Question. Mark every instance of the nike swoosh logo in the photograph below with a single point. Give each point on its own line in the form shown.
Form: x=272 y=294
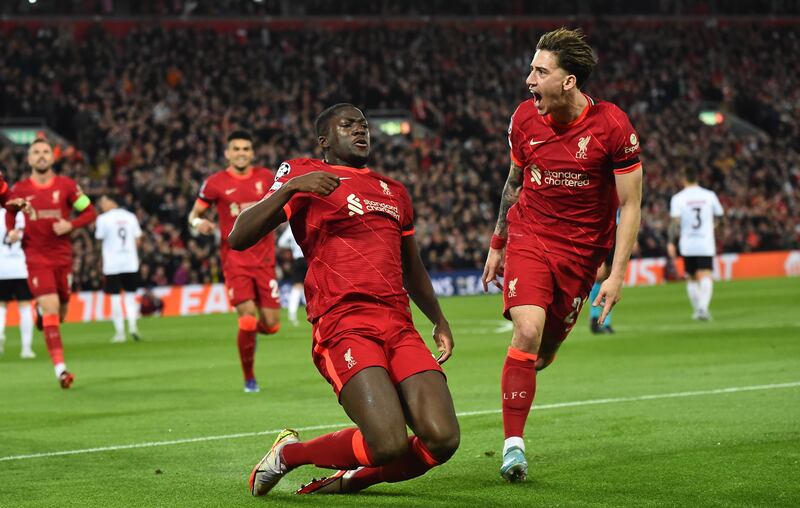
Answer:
x=533 y=143
x=345 y=177
x=229 y=192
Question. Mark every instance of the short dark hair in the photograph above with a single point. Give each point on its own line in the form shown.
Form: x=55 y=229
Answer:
x=323 y=121
x=111 y=196
x=41 y=140
x=690 y=174
x=240 y=134
x=572 y=52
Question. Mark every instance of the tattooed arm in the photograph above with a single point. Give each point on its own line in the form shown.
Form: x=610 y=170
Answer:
x=494 y=260
x=510 y=196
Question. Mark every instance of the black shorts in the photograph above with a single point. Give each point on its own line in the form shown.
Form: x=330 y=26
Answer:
x=693 y=263
x=15 y=289
x=127 y=281
x=299 y=269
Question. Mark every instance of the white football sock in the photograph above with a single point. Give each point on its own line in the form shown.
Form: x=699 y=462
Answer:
x=26 y=326
x=294 y=302
x=116 y=315
x=60 y=369
x=693 y=288
x=706 y=289
x=513 y=441
x=131 y=311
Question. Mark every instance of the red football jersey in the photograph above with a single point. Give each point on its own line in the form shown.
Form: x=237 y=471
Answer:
x=233 y=193
x=568 y=201
x=350 y=238
x=3 y=190
x=51 y=202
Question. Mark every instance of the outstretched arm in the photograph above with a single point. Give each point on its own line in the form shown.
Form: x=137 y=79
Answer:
x=419 y=287
x=494 y=261
x=260 y=219
x=629 y=191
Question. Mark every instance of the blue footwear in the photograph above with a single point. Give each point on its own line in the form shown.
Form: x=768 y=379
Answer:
x=251 y=386
x=515 y=467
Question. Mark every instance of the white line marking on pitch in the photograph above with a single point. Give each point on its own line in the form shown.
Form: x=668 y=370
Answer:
x=507 y=326
x=557 y=405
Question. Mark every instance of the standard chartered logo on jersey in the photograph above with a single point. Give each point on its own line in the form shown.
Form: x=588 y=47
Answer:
x=357 y=206
x=558 y=177
x=354 y=205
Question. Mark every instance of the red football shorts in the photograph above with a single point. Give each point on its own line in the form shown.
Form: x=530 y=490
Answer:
x=554 y=283
x=45 y=280
x=350 y=338
x=256 y=283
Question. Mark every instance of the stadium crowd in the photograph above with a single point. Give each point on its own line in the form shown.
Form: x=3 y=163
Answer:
x=148 y=113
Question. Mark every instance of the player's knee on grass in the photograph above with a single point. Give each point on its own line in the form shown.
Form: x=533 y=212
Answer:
x=387 y=445
x=441 y=441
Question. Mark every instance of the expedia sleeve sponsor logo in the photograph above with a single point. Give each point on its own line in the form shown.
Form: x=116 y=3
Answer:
x=634 y=144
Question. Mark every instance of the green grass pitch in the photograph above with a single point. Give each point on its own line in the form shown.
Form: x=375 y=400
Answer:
x=164 y=422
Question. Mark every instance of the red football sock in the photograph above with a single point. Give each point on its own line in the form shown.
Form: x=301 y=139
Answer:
x=262 y=328
x=416 y=462
x=246 y=340
x=52 y=337
x=345 y=449
x=518 y=387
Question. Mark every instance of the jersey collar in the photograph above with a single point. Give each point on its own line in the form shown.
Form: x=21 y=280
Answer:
x=45 y=185
x=360 y=171
x=581 y=117
x=236 y=175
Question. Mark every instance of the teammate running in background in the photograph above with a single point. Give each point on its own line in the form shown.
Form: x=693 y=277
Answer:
x=49 y=199
x=250 y=274
x=299 y=268
x=121 y=234
x=574 y=160
x=356 y=229
x=14 y=286
x=693 y=213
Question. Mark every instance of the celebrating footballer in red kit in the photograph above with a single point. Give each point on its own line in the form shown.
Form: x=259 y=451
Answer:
x=356 y=229
x=249 y=274
x=48 y=201
x=574 y=161
x=3 y=190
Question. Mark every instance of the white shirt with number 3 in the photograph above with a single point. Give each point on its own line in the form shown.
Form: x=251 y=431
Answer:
x=118 y=229
x=696 y=207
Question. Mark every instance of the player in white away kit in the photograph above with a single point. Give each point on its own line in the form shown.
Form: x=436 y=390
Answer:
x=14 y=286
x=299 y=269
x=120 y=233
x=693 y=212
